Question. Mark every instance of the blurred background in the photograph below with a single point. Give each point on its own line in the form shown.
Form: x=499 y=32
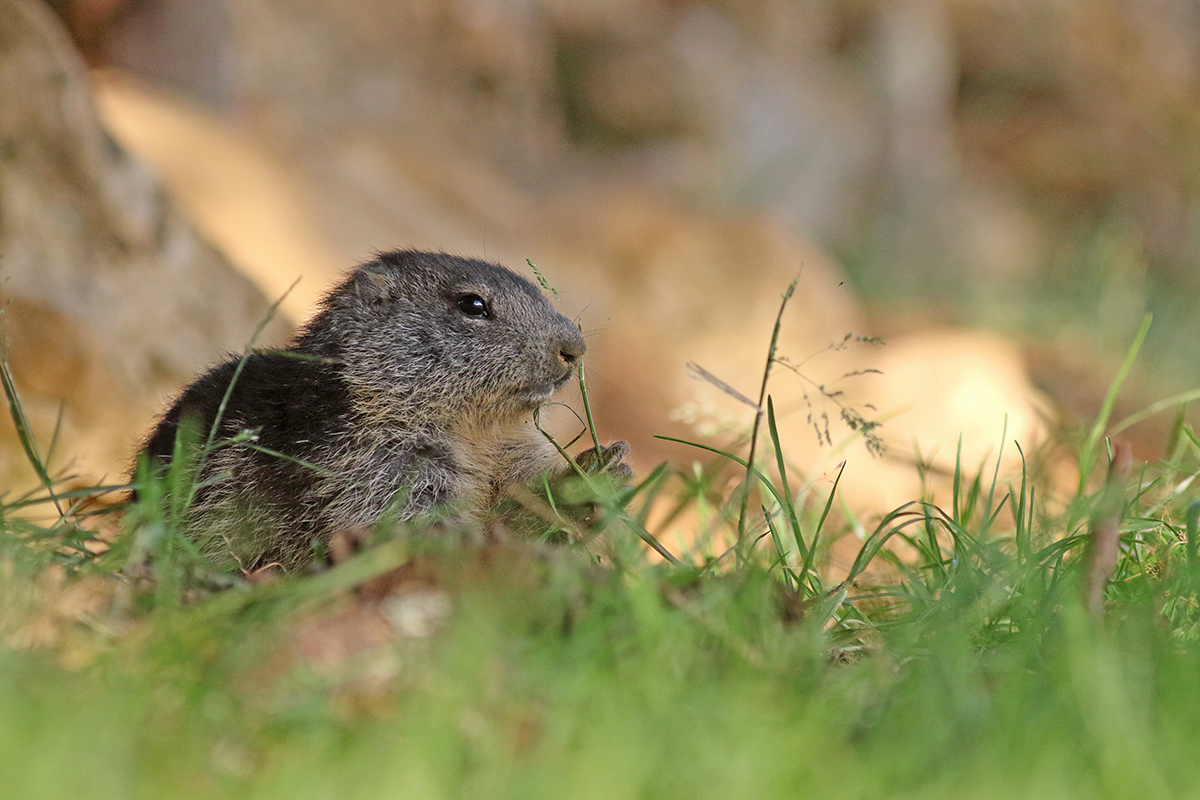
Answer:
x=998 y=188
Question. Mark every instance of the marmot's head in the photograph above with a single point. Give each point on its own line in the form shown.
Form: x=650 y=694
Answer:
x=444 y=338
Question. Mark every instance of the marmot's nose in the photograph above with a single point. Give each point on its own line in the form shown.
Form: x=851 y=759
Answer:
x=572 y=347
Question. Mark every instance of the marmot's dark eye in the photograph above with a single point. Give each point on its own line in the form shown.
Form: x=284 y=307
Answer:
x=473 y=306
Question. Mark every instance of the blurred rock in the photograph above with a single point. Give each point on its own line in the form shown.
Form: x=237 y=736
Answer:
x=680 y=289
x=468 y=72
x=111 y=301
x=185 y=45
x=946 y=394
x=241 y=195
x=889 y=130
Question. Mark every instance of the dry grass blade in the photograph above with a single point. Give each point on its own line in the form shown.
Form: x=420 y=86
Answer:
x=1104 y=540
x=704 y=375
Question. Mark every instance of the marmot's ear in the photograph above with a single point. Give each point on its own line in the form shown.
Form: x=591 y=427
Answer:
x=372 y=286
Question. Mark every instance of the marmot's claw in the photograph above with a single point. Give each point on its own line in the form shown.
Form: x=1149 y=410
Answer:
x=609 y=460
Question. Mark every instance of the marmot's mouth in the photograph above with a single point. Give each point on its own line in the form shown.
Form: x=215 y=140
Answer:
x=541 y=392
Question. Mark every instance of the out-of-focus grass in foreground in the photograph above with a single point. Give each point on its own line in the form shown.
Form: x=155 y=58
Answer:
x=1028 y=646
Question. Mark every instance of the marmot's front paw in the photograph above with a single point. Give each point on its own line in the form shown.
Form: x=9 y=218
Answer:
x=609 y=460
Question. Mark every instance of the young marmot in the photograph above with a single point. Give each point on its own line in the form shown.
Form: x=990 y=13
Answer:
x=413 y=389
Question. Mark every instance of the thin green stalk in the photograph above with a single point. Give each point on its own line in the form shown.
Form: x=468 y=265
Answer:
x=587 y=411
x=762 y=395
x=1173 y=401
x=809 y=564
x=789 y=506
x=25 y=433
x=1087 y=455
x=237 y=372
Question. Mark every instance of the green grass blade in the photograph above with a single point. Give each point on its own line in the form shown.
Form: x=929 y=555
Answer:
x=587 y=410
x=808 y=569
x=25 y=433
x=762 y=395
x=789 y=506
x=1174 y=401
x=1087 y=455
